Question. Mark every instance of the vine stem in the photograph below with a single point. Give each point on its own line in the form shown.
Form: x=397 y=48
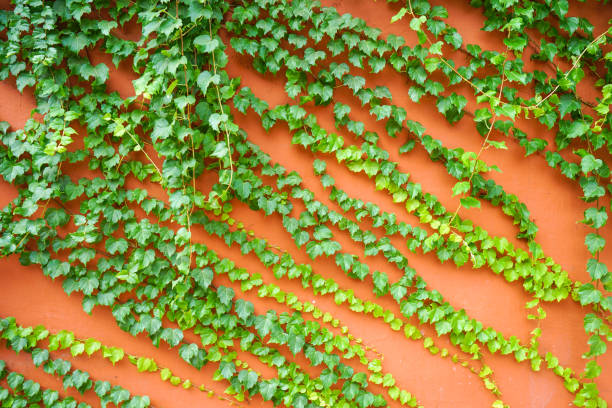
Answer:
x=227 y=137
x=554 y=66
x=574 y=66
x=596 y=307
x=281 y=251
x=482 y=147
x=44 y=210
x=59 y=167
x=190 y=209
x=444 y=59
x=145 y=153
x=530 y=107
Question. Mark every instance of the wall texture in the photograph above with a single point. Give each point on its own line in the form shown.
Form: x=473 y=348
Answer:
x=552 y=200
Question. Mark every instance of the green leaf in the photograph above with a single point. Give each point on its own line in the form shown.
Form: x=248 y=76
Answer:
x=301 y=238
x=381 y=283
x=596 y=269
x=242 y=188
x=14 y=380
x=102 y=388
x=388 y=380
x=588 y=294
x=576 y=129
x=298 y=41
x=322 y=93
x=129 y=276
x=338 y=70
x=394 y=393
x=595 y=217
x=415 y=23
x=49 y=397
x=590 y=163
x=214 y=121
x=381 y=111
x=570 y=170
x=560 y=7
x=267 y=389
x=106 y=26
x=321 y=232
x=591 y=189
x=360 y=270
x=533 y=145
x=452 y=106
x=470 y=202
x=355 y=83
x=415 y=93
x=76 y=42
x=203 y=277
x=227 y=369
x=77 y=348
x=225 y=295
x=516 y=42
x=398 y=292
x=356 y=127
x=25 y=79
x=506 y=109
x=100 y=73
x=161 y=130
x=567 y=104
x=113 y=354
x=311 y=56
x=330 y=247
x=244 y=309
x=592 y=323
x=377 y=64
x=454 y=38
x=207 y=335
x=39 y=356
x=336 y=47
x=345 y=261
x=461 y=188
x=400 y=14
x=188 y=352
x=205 y=79
x=165 y=374
x=144 y=364
x=204 y=43
x=408 y=146
x=320 y=165
x=597 y=346
x=594 y=243
x=79 y=379
x=114 y=245
x=395 y=41
x=56 y=217
x=31 y=389
x=443 y=327
x=91 y=346
x=436 y=48
x=592 y=369
x=295 y=343
x=481 y=115
x=365 y=399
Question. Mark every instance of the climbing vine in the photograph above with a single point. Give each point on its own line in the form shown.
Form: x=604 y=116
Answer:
x=168 y=164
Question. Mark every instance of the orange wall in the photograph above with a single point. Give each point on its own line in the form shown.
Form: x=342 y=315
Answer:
x=552 y=200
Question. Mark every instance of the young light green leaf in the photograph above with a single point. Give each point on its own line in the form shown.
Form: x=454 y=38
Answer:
x=461 y=187
x=470 y=202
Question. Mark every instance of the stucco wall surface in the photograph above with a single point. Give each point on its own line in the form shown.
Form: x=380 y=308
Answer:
x=552 y=199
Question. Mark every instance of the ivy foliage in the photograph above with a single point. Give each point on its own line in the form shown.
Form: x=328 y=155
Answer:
x=123 y=235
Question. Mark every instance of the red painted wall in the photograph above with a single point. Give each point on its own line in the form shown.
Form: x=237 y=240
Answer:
x=552 y=199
